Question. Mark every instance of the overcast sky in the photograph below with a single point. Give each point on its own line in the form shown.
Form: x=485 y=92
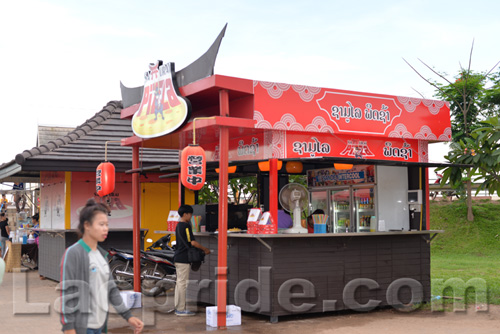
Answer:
x=62 y=61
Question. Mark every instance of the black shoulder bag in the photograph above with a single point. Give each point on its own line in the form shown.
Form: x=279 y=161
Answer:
x=195 y=256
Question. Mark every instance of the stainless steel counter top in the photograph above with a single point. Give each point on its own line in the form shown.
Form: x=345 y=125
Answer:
x=44 y=230
x=329 y=235
x=310 y=235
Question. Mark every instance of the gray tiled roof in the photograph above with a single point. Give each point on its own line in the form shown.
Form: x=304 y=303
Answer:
x=83 y=148
x=50 y=133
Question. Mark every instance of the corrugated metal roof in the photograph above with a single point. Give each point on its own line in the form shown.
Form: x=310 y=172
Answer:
x=82 y=149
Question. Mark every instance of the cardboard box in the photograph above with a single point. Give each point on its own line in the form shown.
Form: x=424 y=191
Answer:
x=131 y=299
x=233 y=315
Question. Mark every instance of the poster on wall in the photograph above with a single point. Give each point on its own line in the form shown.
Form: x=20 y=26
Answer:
x=46 y=206
x=52 y=200
x=119 y=201
x=57 y=206
x=328 y=177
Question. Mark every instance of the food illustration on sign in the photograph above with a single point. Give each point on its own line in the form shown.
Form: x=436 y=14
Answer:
x=357 y=149
x=162 y=109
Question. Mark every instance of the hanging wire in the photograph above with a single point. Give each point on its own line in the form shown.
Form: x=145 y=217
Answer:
x=194 y=126
x=106 y=148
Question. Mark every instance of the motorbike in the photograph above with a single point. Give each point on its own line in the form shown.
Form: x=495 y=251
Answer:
x=121 y=267
x=157 y=272
x=449 y=193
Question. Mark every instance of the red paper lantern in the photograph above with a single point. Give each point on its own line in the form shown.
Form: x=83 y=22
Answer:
x=343 y=166
x=264 y=165
x=230 y=169
x=294 y=167
x=105 y=179
x=193 y=167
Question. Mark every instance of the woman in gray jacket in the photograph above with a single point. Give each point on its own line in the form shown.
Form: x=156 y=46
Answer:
x=87 y=287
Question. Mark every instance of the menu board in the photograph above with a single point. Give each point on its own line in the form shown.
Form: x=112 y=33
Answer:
x=327 y=177
x=173 y=216
x=265 y=219
x=254 y=215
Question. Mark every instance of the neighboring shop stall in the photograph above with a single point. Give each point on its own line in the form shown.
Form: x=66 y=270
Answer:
x=64 y=194
x=65 y=169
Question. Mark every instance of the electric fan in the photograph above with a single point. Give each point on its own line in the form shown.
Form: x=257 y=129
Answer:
x=294 y=198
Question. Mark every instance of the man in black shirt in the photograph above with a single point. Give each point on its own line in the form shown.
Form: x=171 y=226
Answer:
x=184 y=238
x=4 y=232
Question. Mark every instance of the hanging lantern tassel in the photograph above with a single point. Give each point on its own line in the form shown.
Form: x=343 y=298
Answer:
x=193 y=167
x=105 y=179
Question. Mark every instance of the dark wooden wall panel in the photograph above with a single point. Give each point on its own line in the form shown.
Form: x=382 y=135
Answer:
x=328 y=263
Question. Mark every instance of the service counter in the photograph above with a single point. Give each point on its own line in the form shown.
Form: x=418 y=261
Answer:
x=53 y=243
x=284 y=274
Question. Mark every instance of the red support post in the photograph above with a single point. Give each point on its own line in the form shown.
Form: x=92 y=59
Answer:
x=179 y=193
x=273 y=191
x=427 y=208
x=223 y=184
x=136 y=229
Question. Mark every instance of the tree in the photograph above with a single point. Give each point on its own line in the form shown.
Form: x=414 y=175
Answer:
x=471 y=102
x=244 y=190
x=209 y=193
x=466 y=96
x=475 y=139
x=240 y=191
x=492 y=96
x=482 y=150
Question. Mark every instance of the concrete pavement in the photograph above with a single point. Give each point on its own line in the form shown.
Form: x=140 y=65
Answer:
x=35 y=312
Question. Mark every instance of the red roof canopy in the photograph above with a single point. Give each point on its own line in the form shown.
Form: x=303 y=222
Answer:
x=292 y=121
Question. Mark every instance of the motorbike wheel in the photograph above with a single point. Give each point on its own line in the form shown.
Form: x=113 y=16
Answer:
x=148 y=286
x=123 y=283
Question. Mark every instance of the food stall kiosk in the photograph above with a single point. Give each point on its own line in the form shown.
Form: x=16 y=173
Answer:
x=377 y=251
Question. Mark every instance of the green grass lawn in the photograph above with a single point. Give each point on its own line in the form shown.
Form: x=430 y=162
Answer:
x=462 y=268
x=467 y=250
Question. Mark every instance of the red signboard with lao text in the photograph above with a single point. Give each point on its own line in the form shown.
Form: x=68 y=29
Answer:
x=293 y=145
x=311 y=109
x=350 y=146
x=242 y=148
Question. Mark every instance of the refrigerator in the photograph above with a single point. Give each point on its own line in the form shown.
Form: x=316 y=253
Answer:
x=350 y=208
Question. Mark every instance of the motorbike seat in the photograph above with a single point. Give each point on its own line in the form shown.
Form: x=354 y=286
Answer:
x=167 y=254
x=128 y=251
